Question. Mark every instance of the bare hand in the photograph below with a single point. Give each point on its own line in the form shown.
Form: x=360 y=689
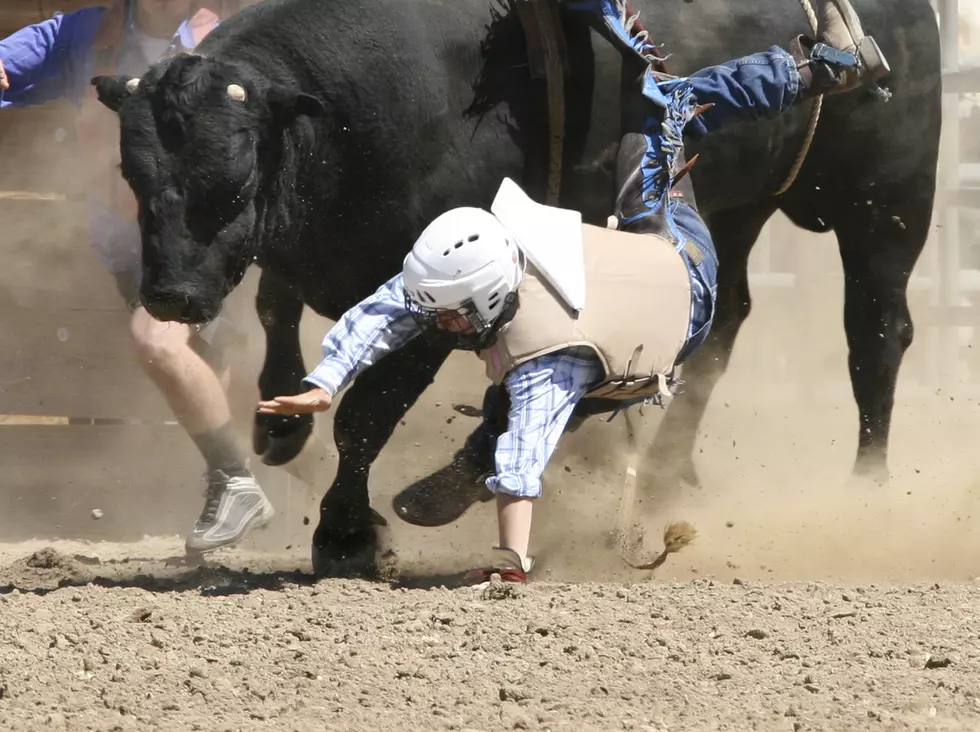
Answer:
x=314 y=400
x=4 y=84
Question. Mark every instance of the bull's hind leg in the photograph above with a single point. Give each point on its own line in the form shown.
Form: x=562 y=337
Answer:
x=671 y=456
x=350 y=535
x=879 y=246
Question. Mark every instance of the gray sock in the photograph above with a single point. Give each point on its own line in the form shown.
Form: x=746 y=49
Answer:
x=221 y=451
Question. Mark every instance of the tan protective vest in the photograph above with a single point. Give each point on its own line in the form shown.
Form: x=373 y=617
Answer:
x=636 y=317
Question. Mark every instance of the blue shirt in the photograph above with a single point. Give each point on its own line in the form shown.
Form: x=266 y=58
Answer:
x=53 y=59
x=50 y=60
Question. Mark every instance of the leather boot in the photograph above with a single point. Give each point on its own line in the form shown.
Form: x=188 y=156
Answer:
x=838 y=26
x=843 y=58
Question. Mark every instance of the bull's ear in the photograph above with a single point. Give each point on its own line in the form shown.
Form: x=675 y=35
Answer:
x=112 y=90
x=287 y=104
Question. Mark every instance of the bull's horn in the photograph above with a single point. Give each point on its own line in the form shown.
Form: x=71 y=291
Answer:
x=132 y=84
x=236 y=92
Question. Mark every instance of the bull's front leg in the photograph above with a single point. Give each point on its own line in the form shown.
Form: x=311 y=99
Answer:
x=350 y=535
x=278 y=438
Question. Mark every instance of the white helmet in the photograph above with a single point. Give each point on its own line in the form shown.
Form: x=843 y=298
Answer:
x=466 y=261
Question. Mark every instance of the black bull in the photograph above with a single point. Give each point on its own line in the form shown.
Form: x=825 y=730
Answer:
x=353 y=124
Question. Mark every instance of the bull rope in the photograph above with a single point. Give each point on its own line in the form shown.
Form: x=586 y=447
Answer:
x=811 y=131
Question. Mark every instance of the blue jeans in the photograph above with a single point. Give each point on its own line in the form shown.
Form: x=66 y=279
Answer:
x=759 y=86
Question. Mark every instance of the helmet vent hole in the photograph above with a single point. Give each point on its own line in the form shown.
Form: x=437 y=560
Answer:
x=458 y=244
x=473 y=237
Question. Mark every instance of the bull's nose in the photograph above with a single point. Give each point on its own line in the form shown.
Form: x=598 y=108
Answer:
x=171 y=307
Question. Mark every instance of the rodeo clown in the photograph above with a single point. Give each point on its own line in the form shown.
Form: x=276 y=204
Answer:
x=549 y=304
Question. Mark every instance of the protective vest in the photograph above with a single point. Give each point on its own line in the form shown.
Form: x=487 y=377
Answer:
x=636 y=319
x=116 y=51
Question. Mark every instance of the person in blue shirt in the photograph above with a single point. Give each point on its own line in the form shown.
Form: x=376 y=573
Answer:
x=553 y=331
x=55 y=59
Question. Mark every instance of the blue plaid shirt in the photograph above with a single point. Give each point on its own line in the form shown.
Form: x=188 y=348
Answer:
x=543 y=392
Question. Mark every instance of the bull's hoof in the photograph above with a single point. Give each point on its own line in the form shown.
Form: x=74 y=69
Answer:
x=663 y=486
x=277 y=439
x=444 y=496
x=686 y=476
x=675 y=478
x=360 y=554
x=870 y=475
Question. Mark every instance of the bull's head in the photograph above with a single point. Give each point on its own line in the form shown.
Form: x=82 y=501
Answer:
x=201 y=147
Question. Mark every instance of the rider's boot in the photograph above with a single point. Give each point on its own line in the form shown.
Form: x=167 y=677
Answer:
x=842 y=58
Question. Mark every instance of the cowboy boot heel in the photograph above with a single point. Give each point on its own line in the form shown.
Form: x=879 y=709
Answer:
x=873 y=61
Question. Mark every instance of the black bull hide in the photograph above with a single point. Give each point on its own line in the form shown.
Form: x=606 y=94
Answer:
x=361 y=121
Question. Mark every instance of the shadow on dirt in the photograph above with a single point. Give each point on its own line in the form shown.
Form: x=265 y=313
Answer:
x=48 y=570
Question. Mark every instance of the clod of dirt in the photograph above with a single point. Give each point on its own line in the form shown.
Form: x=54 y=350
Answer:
x=141 y=615
x=510 y=693
x=45 y=568
x=937 y=661
x=97 y=513
x=757 y=634
x=49 y=558
x=500 y=590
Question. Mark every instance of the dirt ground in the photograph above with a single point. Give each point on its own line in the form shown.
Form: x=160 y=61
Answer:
x=269 y=650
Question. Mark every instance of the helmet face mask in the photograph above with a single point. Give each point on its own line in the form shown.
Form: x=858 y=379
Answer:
x=464 y=327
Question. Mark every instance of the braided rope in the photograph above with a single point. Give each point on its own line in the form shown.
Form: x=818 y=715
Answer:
x=814 y=116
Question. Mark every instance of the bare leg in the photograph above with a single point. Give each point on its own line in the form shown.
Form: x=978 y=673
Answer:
x=234 y=504
x=193 y=391
x=514 y=522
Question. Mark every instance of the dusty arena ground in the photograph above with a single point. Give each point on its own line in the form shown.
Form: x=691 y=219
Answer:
x=270 y=650
x=806 y=602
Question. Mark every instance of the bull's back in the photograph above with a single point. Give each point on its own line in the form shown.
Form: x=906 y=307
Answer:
x=405 y=71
